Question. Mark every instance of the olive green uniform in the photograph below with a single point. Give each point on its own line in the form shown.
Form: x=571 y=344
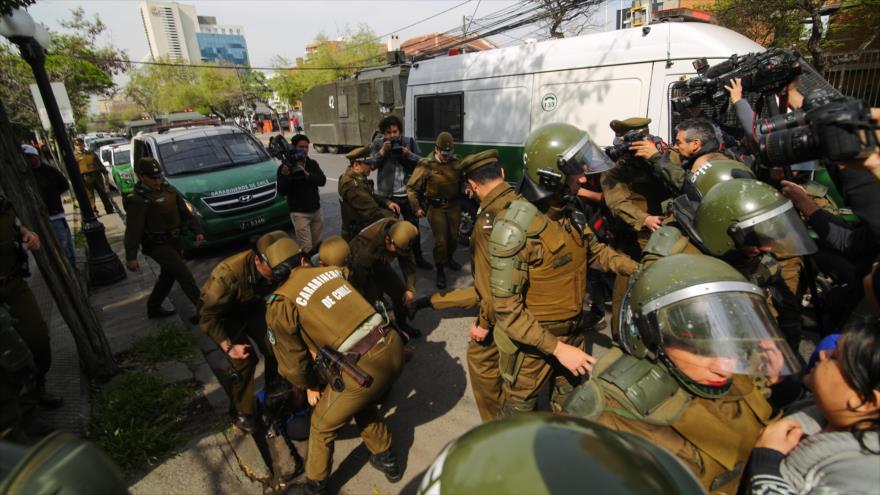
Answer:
x=316 y=307
x=232 y=306
x=433 y=188
x=713 y=437
x=23 y=307
x=371 y=271
x=155 y=218
x=93 y=179
x=538 y=281
x=359 y=205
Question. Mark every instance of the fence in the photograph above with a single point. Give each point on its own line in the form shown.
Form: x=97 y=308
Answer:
x=855 y=74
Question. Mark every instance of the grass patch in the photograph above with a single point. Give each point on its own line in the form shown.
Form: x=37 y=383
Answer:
x=137 y=418
x=172 y=342
x=79 y=239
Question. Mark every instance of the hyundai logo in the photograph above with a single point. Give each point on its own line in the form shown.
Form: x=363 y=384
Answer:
x=244 y=198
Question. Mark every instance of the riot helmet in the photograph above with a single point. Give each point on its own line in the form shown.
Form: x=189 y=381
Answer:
x=554 y=151
x=716 y=171
x=543 y=453
x=746 y=213
x=698 y=313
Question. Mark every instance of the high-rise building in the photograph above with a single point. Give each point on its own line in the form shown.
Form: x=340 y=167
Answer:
x=175 y=31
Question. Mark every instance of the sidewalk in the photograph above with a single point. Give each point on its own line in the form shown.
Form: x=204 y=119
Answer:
x=206 y=463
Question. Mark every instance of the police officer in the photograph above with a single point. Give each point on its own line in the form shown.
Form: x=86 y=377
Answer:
x=359 y=204
x=564 y=455
x=316 y=310
x=156 y=215
x=333 y=251
x=233 y=313
x=395 y=157
x=15 y=241
x=539 y=269
x=372 y=252
x=93 y=176
x=432 y=191
x=681 y=378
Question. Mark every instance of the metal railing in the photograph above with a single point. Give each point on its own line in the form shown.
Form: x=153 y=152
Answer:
x=855 y=74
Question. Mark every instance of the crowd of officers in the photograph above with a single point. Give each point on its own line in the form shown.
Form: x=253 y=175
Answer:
x=704 y=264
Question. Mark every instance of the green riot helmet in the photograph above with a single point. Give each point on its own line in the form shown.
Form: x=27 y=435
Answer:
x=543 y=453
x=745 y=213
x=554 y=151
x=699 y=313
x=717 y=171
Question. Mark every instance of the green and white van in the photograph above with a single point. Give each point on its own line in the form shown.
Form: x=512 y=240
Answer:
x=226 y=176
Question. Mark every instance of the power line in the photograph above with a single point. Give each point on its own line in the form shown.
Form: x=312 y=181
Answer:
x=468 y=28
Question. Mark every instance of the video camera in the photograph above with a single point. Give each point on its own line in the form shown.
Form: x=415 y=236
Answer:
x=396 y=145
x=836 y=128
x=288 y=154
x=766 y=72
x=620 y=149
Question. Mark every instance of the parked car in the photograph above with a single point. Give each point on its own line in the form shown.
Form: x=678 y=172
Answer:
x=121 y=173
x=102 y=148
x=226 y=176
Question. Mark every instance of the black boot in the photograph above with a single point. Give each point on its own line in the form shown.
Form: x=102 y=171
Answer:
x=441 y=277
x=387 y=463
x=245 y=423
x=308 y=487
x=416 y=305
x=452 y=264
x=421 y=262
x=411 y=331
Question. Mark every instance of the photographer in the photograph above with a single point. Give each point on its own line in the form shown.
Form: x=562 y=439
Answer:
x=695 y=138
x=299 y=181
x=395 y=157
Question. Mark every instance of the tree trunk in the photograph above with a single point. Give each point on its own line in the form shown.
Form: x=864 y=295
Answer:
x=17 y=183
x=814 y=9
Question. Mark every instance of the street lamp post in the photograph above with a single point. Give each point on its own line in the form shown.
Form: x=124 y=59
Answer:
x=19 y=28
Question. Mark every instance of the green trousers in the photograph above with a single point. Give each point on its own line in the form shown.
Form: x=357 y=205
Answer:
x=250 y=329
x=444 y=221
x=172 y=269
x=522 y=395
x=94 y=182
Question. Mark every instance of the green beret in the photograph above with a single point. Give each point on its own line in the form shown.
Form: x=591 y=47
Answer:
x=148 y=166
x=361 y=152
x=477 y=160
x=621 y=127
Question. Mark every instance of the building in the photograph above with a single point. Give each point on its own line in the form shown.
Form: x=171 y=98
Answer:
x=175 y=31
x=429 y=44
x=115 y=104
x=622 y=14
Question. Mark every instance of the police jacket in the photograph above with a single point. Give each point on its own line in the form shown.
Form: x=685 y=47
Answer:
x=155 y=216
x=301 y=189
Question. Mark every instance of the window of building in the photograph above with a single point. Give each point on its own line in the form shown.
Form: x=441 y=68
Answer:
x=438 y=113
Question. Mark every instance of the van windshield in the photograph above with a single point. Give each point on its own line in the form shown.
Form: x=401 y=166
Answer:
x=121 y=157
x=207 y=153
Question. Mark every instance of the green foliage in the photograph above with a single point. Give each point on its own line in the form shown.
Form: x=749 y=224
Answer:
x=768 y=23
x=172 y=342
x=137 y=419
x=76 y=59
x=856 y=23
x=334 y=59
x=7 y=6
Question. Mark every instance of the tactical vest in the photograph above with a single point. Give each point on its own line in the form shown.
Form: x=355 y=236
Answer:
x=329 y=308
x=162 y=215
x=354 y=219
x=443 y=180
x=723 y=430
x=87 y=163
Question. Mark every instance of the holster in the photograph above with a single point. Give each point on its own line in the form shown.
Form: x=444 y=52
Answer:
x=162 y=237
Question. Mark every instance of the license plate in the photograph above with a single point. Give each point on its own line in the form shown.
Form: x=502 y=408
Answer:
x=252 y=222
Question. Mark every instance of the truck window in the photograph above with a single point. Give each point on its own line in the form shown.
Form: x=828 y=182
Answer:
x=343 y=105
x=365 y=91
x=207 y=153
x=438 y=113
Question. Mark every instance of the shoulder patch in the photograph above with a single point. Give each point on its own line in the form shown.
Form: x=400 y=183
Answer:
x=507 y=238
x=270 y=336
x=587 y=401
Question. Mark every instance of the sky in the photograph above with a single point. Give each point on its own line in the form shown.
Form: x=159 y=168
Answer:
x=286 y=27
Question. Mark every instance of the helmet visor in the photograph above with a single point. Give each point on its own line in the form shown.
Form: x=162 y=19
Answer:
x=725 y=332
x=780 y=229
x=584 y=158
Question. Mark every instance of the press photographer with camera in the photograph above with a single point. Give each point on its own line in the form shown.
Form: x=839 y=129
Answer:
x=395 y=157
x=299 y=178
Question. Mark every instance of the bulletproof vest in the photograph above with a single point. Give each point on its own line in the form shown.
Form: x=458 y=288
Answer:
x=162 y=213
x=557 y=286
x=87 y=163
x=723 y=430
x=443 y=180
x=11 y=250
x=350 y=215
x=329 y=308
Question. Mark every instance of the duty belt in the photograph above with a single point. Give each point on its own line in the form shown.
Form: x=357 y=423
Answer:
x=561 y=328
x=437 y=202
x=362 y=340
x=162 y=236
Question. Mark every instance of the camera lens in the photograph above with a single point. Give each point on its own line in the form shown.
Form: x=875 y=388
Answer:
x=784 y=121
x=790 y=146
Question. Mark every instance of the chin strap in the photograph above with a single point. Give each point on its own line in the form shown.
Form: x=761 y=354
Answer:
x=704 y=391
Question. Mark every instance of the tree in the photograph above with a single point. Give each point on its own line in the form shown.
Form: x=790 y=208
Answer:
x=7 y=6
x=562 y=17
x=76 y=59
x=331 y=60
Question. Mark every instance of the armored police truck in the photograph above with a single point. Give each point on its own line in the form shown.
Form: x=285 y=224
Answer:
x=493 y=99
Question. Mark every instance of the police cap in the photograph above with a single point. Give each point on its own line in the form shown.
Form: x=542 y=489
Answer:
x=357 y=153
x=477 y=160
x=268 y=239
x=148 y=166
x=334 y=251
x=281 y=250
x=621 y=127
x=402 y=234
x=444 y=141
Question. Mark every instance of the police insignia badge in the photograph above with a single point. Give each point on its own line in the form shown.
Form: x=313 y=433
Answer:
x=270 y=336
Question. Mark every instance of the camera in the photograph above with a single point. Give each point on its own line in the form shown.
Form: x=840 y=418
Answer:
x=288 y=155
x=836 y=130
x=620 y=149
x=396 y=145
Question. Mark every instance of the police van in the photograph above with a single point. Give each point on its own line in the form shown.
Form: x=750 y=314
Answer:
x=493 y=99
x=225 y=175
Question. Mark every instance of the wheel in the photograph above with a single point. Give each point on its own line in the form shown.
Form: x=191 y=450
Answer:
x=320 y=148
x=333 y=149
